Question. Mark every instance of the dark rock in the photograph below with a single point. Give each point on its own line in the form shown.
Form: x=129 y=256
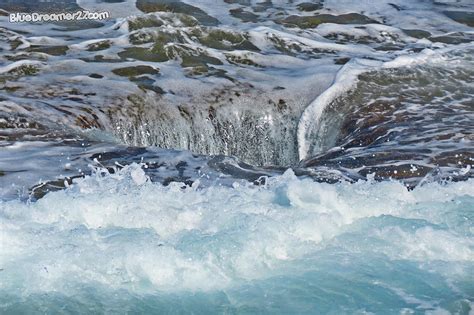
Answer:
x=245 y=16
x=466 y=18
x=309 y=6
x=135 y=71
x=313 y=21
x=417 y=33
x=148 y=6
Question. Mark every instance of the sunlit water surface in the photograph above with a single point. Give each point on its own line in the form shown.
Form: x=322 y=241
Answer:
x=292 y=157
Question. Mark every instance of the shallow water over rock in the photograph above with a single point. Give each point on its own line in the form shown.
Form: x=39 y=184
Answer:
x=144 y=159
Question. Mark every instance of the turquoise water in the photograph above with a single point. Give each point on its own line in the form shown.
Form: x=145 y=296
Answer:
x=238 y=157
x=121 y=244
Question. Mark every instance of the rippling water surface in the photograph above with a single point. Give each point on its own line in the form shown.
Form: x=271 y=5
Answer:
x=231 y=156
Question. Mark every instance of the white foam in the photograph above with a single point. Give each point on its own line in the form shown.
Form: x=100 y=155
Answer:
x=121 y=232
x=45 y=40
x=345 y=80
x=260 y=33
x=18 y=64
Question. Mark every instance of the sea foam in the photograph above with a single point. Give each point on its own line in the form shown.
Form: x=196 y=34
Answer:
x=122 y=233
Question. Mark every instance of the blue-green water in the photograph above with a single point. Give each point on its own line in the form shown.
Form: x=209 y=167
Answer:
x=238 y=157
x=119 y=244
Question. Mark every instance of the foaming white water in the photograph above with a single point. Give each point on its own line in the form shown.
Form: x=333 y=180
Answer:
x=427 y=56
x=259 y=35
x=122 y=232
x=346 y=79
x=206 y=80
x=123 y=244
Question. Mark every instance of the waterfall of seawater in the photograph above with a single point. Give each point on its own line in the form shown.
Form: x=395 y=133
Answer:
x=237 y=157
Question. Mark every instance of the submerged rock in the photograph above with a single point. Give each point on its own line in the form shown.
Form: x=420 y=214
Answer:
x=154 y=54
x=315 y=20
x=50 y=50
x=148 y=6
x=225 y=40
x=461 y=17
x=102 y=45
x=309 y=6
x=417 y=33
x=147 y=83
x=135 y=71
x=245 y=16
x=453 y=38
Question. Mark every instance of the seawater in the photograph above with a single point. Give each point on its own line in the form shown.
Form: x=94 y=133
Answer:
x=120 y=243
x=238 y=157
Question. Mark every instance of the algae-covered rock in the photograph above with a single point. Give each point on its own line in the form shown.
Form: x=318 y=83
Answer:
x=140 y=38
x=199 y=60
x=161 y=37
x=241 y=2
x=224 y=40
x=263 y=6
x=101 y=58
x=147 y=83
x=342 y=61
x=417 y=33
x=309 y=6
x=453 y=38
x=315 y=20
x=148 y=6
x=40 y=190
x=144 y=22
x=191 y=57
x=24 y=70
x=463 y=17
x=104 y=44
x=290 y=49
x=95 y=76
x=135 y=71
x=15 y=43
x=242 y=60
x=244 y=16
x=50 y=50
x=154 y=54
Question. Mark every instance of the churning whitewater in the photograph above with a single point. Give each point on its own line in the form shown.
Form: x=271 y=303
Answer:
x=237 y=157
x=290 y=246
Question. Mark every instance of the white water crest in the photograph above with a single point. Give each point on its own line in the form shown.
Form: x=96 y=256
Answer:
x=122 y=233
x=309 y=133
x=240 y=78
x=308 y=123
x=238 y=157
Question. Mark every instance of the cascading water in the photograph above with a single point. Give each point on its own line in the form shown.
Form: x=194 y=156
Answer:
x=144 y=158
x=258 y=128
